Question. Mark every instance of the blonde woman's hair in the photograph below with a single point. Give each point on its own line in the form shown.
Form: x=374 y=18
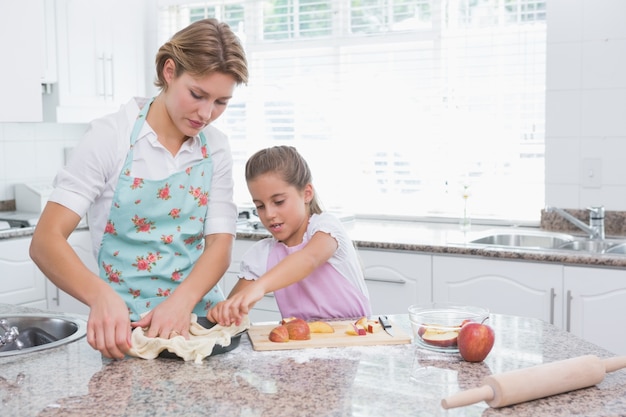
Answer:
x=289 y=164
x=204 y=47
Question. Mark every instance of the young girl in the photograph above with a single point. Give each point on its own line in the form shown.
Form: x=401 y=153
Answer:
x=156 y=179
x=309 y=262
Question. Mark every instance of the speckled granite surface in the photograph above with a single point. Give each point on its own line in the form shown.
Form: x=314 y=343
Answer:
x=402 y=380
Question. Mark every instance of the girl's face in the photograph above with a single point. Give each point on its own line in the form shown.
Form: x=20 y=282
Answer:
x=282 y=208
x=194 y=102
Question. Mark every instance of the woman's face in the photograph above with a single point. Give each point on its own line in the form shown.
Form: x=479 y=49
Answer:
x=282 y=208
x=194 y=102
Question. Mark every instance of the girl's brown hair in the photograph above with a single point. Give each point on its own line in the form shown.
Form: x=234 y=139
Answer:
x=204 y=47
x=289 y=164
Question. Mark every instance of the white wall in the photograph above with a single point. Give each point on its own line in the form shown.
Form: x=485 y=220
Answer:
x=585 y=114
x=586 y=104
x=33 y=152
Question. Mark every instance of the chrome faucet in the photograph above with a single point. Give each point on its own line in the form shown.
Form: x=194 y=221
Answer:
x=10 y=334
x=595 y=229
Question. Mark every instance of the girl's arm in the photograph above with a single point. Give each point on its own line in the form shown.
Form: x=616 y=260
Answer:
x=291 y=269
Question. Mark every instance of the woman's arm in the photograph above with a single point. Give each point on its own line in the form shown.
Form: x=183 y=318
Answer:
x=291 y=269
x=108 y=328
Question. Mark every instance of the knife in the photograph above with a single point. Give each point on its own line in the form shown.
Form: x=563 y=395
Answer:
x=384 y=321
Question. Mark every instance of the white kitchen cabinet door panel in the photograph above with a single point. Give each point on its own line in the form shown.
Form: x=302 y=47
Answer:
x=59 y=300
x=396 y=280
x=100 y=57
x=603 y=64
x=22 y=60
x=20 y=280
x=602 y=112
x=596 y=306
x=603 y=19
x=504 y=287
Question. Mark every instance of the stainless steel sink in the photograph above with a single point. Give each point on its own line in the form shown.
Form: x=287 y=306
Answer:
x=545 y=240
x=525 y=239
x=42 y=331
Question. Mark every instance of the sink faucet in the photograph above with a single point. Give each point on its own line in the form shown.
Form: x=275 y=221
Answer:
x=10 y=334
x=595 y=229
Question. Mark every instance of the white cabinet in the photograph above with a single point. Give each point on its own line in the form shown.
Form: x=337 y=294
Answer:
x=506 y=287
x=595 y=306
x=21 y=283
x=22 y=28
x=395 y=280
x=59 y=300
x=265 y=309
x=100 y=56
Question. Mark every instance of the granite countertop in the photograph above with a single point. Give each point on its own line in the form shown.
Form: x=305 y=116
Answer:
x=448 y=239
x=433 y=238
x=400 y=380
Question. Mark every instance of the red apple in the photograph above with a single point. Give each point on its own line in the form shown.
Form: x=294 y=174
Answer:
x=298 y=329
x=475 y=341
x=279 y=334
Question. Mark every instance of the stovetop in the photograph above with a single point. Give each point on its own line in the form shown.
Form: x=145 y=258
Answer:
x=19 y=218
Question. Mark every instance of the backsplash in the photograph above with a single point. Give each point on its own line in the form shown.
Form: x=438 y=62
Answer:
x=614 y=222
x=33 y=152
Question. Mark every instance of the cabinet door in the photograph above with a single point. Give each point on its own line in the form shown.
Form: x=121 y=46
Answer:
x=100 y=57
x=396 y=280
x=59 y=300
x=21 y=30
x=505 y=287
x=594 y=309
x=20 y=282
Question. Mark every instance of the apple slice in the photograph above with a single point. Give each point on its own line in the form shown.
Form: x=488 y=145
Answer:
x=440 y=339
x=321 y=327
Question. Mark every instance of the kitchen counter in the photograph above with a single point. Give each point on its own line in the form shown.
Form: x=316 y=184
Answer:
x=449 y=239
x=401 y=380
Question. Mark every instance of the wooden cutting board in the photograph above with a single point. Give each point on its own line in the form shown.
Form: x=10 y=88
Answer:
x=259 y=336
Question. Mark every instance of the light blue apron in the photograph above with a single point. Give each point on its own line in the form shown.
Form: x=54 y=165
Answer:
x=155 y=232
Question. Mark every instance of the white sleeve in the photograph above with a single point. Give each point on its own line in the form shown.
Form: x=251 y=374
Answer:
x=254 y=261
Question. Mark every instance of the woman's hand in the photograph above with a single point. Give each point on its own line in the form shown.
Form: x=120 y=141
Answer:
x=108 y=326
x=168 y=319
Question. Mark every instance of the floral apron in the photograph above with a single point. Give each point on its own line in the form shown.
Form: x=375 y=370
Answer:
x=155 y=232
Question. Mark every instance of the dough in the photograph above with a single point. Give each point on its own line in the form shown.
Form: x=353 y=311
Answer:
x=199 y=346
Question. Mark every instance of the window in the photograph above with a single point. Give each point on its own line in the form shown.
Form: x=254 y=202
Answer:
x=400 y=106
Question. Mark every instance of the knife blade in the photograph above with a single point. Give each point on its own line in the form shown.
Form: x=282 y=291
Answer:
x=384 y=322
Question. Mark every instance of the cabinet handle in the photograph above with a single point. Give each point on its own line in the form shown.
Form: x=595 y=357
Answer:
x=401 y=281
x=568 y=312
x=111 y=79
x=552 y=295
x=57 y=298
x=102 y=62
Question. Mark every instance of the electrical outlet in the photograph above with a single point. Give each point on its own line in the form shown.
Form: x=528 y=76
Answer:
x=591 y=173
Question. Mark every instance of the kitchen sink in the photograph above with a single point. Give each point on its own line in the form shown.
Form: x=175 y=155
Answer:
x=525 y=239
x=544 y=240
x=41 y=331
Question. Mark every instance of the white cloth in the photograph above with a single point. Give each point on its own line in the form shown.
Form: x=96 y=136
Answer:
x=199 y=345
x=345 y=259
x=87 y=183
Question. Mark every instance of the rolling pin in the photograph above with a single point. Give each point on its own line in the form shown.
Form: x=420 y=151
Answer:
x=536 y=382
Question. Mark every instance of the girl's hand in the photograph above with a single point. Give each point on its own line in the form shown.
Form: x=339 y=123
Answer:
x=108 y=326
x=236 y=306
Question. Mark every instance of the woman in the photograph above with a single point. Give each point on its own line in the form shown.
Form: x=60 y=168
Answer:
x=156 y=181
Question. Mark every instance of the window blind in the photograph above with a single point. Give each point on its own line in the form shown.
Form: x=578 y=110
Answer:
x=401 y=107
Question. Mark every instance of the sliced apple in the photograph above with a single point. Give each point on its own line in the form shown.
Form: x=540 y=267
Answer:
x=279 y=334
x=440 y=338
x=320 y=327
x=373 y=326
x=298 y=329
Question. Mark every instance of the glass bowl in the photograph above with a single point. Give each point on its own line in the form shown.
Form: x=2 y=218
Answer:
x=436 y=326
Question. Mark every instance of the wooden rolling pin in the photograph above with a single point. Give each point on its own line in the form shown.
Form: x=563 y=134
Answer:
x=536 y=382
